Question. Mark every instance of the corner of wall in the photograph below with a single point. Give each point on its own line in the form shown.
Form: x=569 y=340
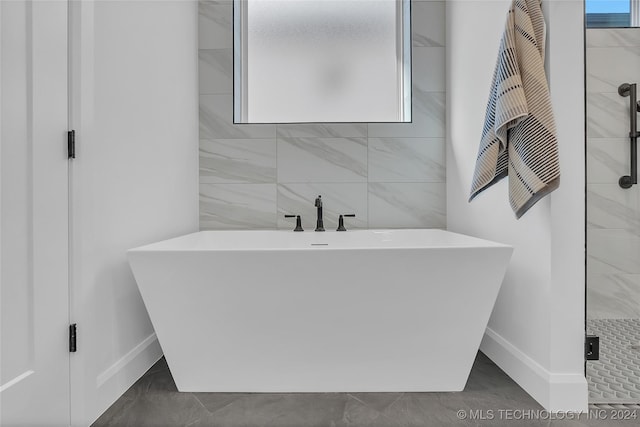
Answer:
x=126 y=371
x=566 y=62
x=152 y=196
x=540 y=347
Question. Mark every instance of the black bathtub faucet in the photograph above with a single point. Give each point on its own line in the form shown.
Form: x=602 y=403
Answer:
x=341 y=221
x=319 y=224
x=298 y=222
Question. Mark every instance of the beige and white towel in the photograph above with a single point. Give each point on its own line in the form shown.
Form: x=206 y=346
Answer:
x=519 y=135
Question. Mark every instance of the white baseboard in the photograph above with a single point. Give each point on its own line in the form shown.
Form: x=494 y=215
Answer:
x=117 y=378
x=554 y=391
x=148 y=350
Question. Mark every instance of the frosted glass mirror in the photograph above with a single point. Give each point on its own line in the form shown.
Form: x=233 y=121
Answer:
x=322 y=61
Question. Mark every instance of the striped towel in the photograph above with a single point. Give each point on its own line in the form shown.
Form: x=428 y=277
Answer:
x=519 y=135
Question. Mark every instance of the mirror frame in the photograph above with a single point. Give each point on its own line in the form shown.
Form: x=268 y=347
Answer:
x=240 y=95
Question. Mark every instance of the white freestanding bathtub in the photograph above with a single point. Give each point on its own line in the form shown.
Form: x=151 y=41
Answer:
x=359 y=311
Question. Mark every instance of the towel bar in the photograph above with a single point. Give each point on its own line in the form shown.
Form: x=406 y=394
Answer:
x=629 y=90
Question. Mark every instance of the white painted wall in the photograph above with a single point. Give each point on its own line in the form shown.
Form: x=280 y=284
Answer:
x=536 y=330
x=134 y=100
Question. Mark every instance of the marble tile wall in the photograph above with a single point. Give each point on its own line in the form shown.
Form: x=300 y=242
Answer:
x=613 y=213
x=389 y=175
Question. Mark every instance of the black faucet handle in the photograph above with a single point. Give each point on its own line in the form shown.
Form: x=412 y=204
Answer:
x=298 y=222
x=319 y=223
x=341 y=221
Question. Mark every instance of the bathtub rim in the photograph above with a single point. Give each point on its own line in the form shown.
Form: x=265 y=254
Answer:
x=192 y=242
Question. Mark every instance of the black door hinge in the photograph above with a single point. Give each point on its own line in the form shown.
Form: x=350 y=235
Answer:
x=72 y=339
x=71 y=144
x=592 y=347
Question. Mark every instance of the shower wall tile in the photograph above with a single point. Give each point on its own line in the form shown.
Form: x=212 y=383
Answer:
x=237 y=206
x=612 y=37
x=608 y=159
x=238 y=161
x=214 y=24
x=251 y=173
x=327 y=130
x=406 y=160
x=612 y=252
x=612 y=207
x=216 y=121
x=613 y=296
x=428 y=23
x=322 y=160
x=607 y=115
x=337 y=199
x=407 y=205
x=609 y=67
x=215 y=71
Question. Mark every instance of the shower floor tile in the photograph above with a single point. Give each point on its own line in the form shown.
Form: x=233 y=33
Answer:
x=615 y=378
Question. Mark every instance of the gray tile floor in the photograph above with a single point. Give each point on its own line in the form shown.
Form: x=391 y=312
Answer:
x=490 y=398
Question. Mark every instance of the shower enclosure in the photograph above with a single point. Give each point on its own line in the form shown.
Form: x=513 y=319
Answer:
x=613 y=206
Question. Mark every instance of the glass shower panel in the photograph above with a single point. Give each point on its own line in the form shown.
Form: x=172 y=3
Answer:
x=613 y=216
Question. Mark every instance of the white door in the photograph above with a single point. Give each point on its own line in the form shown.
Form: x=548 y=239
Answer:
x=34 y=296
x=134 y=105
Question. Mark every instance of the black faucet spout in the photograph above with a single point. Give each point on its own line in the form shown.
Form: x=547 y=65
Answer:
x=319 y=223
